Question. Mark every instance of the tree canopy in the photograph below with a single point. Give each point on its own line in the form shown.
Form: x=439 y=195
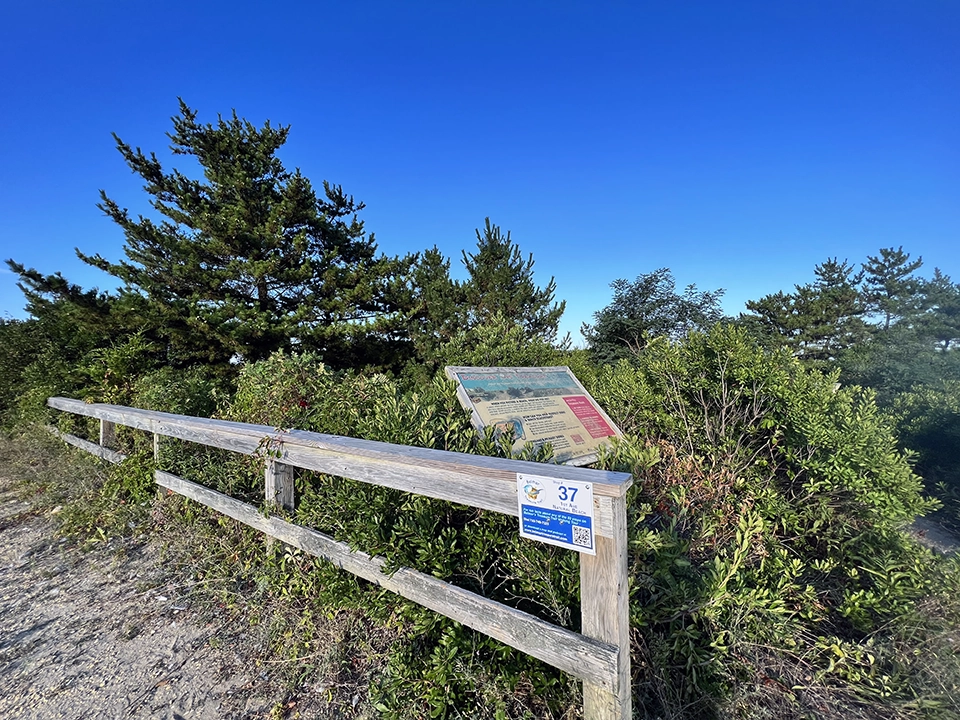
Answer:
x=890 y=288
x=499 y=296
x=819 y=320
x=249 y=259
x=883 y=327
x=501 y=283
x=940 y=321
x=646 y=308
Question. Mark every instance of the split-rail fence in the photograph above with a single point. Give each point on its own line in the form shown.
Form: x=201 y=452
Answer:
x=600 y=656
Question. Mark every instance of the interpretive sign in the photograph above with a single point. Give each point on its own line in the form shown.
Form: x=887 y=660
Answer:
x=540 y=405
x=556 y=512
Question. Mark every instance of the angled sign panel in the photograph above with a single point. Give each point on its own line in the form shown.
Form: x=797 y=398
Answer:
x=540 y=405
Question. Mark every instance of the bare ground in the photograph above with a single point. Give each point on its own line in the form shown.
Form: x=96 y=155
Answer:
x=104 y=634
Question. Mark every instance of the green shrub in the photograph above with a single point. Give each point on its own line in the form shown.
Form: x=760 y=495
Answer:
x=766 y=513
x=113 y=371
x=193 y=391
x=115 y=505
x=479 y=551
x=20 y=341
x=769 y=576
x=928 y=422
x=500 y=342
x=770 y=519
x=47 y=375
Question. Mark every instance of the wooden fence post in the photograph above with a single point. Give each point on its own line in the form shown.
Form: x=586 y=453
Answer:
x=605 y=608
x=278 y=490
x=108 y=434
x=279 y=484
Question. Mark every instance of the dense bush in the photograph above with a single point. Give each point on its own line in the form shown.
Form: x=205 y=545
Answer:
x=31 y=370
x=19 y=342
x=767 y=534
x=928 y=423
x=769 y=575
x=190 y=391
x=480 y=551
x=897 y=362
x=764 y=531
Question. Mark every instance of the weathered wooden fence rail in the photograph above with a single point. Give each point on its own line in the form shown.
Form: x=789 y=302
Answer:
x=600 y=656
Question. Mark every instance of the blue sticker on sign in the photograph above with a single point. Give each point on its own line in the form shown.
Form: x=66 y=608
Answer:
x=556 y=511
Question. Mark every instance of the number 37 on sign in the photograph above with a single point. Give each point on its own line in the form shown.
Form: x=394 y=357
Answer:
x=556 y=511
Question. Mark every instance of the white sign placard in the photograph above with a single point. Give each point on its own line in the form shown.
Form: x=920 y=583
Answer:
x=556 y=512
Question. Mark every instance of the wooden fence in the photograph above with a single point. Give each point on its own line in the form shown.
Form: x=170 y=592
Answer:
x=600 y=657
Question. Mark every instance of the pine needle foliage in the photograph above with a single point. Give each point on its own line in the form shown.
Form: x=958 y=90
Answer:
x=249 y=259
x=501 y=283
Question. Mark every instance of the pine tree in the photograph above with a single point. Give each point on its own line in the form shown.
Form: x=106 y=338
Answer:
x=819 y=320
x=73 y=320
x=249 y=260
x=941 y=320
x=501 y=283
x=834 y=308
x=438 y=307
x=775 y=320
x=890 y=288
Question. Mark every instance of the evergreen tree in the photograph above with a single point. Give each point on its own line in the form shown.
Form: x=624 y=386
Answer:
x=819 y=321
x=894 y=361
x=909 y=355
x=499 y=298
x=249 y=260
x=74 y=336
x=501 y=283
x=775 y=320
x=890 y=288
x=941 y=320
x=437 y=307
x=835 y=310
x=73 y=321
x=646 y=308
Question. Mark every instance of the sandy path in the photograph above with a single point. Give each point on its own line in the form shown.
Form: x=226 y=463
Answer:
x=99 y=635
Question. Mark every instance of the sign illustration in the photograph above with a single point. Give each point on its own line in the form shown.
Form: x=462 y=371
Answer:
x=539 y=405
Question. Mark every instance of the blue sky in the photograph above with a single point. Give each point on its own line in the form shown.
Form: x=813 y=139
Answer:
x=737 y=143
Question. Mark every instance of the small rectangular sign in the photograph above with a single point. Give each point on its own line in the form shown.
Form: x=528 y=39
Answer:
x=557 y=512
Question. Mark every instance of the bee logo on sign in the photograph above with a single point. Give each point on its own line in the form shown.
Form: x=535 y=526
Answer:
x=556 y=511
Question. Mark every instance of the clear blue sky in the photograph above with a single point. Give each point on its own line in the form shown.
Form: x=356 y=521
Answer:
x=738 y=143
